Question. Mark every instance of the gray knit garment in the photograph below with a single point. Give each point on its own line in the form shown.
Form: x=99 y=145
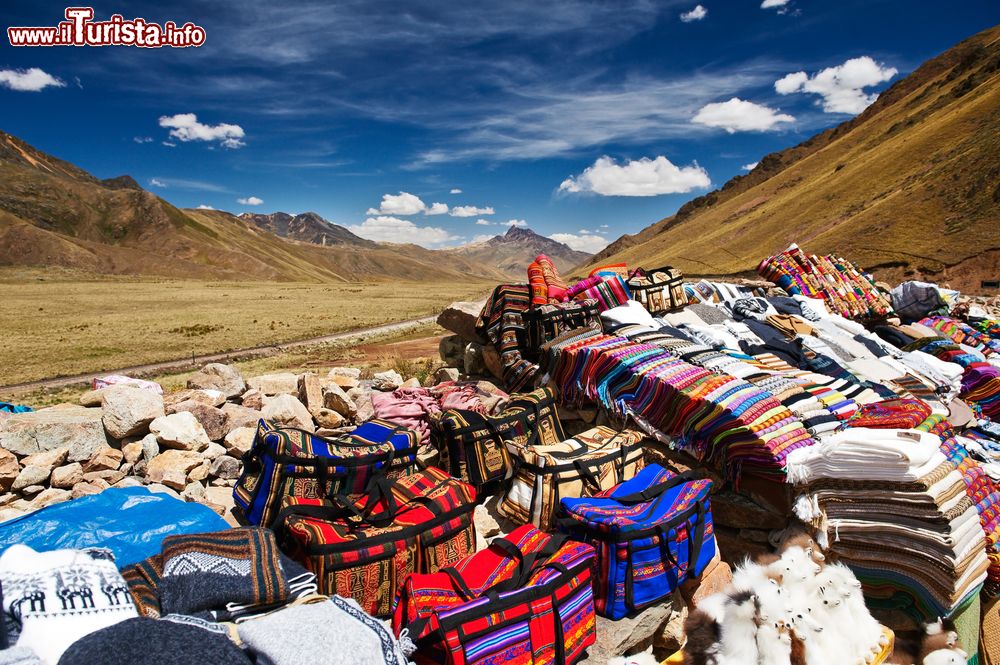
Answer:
x=19 y=656
x=332 y=632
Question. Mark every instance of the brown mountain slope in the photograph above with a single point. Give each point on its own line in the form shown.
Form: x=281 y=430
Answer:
x=55 y=214
x=910 y=186
x=513 y=251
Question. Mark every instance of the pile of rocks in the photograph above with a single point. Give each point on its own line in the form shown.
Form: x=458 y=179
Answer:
x=465 y=352
x=187 y=443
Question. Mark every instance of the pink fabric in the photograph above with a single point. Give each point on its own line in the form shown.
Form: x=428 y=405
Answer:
x=583 y=285
x=409 y=407
x=470 y=396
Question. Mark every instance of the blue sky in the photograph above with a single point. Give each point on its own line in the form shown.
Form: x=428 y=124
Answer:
x=583 y=120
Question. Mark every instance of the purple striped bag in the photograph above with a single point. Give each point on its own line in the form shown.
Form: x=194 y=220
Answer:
x=610 y=292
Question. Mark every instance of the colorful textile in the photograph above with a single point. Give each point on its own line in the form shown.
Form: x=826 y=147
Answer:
x=610 y=292
x=210 y=570
x=474 y=447
x=891 y=414
x=650 y=533
x=285 y=461
x=584 y=284
x=555 y=286
x=658 y=290
x=501 y=322
x=584 y=465
x=844 y=287
x=546 y=322
x=536 y=280
x=526 y=600
x=413 y=408
x=419 y=523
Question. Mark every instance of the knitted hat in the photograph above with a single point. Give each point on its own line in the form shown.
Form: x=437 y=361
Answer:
x=153 y=642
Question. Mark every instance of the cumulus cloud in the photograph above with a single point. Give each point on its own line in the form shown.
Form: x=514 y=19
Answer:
x=483 y=222
x=842 y=87
x=640 y=177
x=470 y=211
x=204 y=207
x=384 y=228
x=142 y=139
x=456 y=190
x=771 y=4
x=403 y=203
x=437 y=209
x=696 y=14
x=250 y=201
x=28 y=80
x=520 y=223
x=185 y=127
x=584 y=241
x=750 y=167
x=156 y=182
x=739 y=115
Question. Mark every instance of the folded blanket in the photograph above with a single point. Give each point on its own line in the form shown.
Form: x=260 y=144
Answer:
x=212 y=570
x=413 y=408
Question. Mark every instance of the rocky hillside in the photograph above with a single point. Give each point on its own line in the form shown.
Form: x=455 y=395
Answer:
x=53 y=213
x=306 y=227
x=910 y=186
x=514 y=250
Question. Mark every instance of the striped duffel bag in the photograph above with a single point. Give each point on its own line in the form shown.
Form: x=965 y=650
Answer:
x=651 y=534
x=525 y=600
x=286 y=461
x=363 y=550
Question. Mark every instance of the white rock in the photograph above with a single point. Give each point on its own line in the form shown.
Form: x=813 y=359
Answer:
x=287 y=410
x=181 y=431
x=284 y=383
x=77 y=427
x=336 y=399
x=239 y=441
x=129 y=410
x=386 y=381
x=216 y=376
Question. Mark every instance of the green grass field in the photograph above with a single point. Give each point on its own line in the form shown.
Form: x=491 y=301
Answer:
x=58 y=324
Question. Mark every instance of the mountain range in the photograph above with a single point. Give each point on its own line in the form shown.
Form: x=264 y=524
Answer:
x=910 y=187
x=514 y=250
x=53 y=213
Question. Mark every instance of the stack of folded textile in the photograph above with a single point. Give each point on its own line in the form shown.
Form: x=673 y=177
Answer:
x=846 y=289
x=895 y=509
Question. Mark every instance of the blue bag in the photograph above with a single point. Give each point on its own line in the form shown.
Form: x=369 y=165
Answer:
x=290 y=462
x=130 y=521
x=651 y=533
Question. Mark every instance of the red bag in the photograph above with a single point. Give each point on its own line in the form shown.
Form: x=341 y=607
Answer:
x=526 y=600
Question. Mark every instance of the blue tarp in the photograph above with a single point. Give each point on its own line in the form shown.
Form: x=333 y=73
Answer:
x=130 y=521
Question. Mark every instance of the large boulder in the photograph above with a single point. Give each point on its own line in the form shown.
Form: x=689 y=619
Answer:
x=128 y=410
x=208 y=396
x=92 y=398
x=48 y=459
x=310 y=391
x=241 y=416
x=79 y=428
x=362 y=398
x=460 y=318
x=387 y=381
x=9 y=469
x=216 y=376
x=452 y=350
x=181 y=431
x=284 y=383
x=239 y=441
x=345 y=377
x=65 y=477
x=212 y=420
x=328 y=418
x=171 y=467
x=31 y=475
x=287 y=410
x=335 y=399
x=106 y=459
x=253 y=399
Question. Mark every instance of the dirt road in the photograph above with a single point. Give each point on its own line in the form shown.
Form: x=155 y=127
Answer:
x=193 y=362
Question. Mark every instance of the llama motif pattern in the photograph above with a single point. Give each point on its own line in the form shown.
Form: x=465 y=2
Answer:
x=57 y=597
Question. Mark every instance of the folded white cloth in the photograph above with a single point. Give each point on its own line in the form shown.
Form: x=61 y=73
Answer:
x=631 y=313
x=867 y=454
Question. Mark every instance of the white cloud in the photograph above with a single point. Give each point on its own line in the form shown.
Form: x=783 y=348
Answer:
x=583 y=242
x=403 y=203
x=185 y=127
x=385 y=228
x=640 y=177
x=739 y=115
x=750 y=167
x=204 y=207
x=28 y=80
x=250 y=201
x=480 y=238
x=841 y=87
x=169 y=144
x=142 y=139
x=483 y=222
x=456 y=190
x=604 y=226
x=156 y=182
x=183 y=183
x=771 y=4
x=519 y=223
x=470 y=211
x=696 y=14
x=437 y=209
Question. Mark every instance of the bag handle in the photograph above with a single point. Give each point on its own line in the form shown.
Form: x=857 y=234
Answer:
x=651 y=493
x=527 y=565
